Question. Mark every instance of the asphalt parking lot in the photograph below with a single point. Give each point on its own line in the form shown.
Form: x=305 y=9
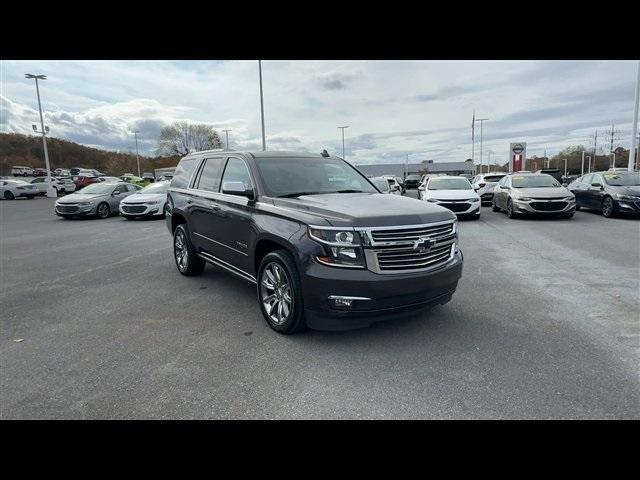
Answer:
x=545 y=324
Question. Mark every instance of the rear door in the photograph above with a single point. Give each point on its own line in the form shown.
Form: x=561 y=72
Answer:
x=595 y=193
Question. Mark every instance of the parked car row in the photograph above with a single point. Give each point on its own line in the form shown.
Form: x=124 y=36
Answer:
x=107 y=198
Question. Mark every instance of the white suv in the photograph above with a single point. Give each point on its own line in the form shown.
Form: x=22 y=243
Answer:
x=22 y=171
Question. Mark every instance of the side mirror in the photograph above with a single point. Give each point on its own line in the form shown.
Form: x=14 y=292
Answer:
x=237 y=188
x=480 y=185
x=115 y=193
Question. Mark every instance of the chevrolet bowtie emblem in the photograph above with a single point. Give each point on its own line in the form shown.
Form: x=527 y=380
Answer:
x=423 y=244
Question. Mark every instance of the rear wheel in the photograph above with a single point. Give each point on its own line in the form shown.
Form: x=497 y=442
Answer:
x=8 y=195
x=280 y=293
x=187 y=261
x=608 y=209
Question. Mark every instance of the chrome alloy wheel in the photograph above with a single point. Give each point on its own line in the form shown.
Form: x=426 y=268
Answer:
x=276 y=293
x=180 y=251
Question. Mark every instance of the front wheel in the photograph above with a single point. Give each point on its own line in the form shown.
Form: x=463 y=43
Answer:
x=187 y=261
x=103 y=211
x=9 y=196
x=510 y=212
x=280 y=293
x=608 y=207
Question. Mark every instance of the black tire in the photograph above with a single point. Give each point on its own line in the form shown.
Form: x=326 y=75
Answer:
x=608 y=208
x=9 y=195
x=129 y=218
x=30 y=197
x=294 y=320
x=103 y=211
x=494 y=207
x=567 y=215
x=189 y=264
x=510 y=212
x=578 y=207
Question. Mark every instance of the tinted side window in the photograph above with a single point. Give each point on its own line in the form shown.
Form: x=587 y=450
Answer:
x=210 y=175
x=236 y=171
x=183 y=173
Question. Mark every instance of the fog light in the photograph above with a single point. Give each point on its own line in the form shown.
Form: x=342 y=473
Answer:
x=342 y=302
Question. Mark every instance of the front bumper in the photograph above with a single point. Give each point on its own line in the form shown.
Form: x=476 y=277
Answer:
x=627 y=206
x=387 y=296
x=69 y=210
x=140 y=210
x=529 y=209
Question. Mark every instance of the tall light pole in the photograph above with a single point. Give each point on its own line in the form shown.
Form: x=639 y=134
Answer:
x=634 y=127
x=137 y=156
x=51 y=191
x=264 y=141
x=582 y=168
x=565 y=167
x=589 y=157
x=481 y=120
x=227 y=133
x=342 y=128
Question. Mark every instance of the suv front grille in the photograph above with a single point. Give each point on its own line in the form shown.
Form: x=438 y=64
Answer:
x=408 y=258
x=409 y=249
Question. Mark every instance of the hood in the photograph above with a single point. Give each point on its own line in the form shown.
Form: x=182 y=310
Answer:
x=145 y=197
x=366 y=209
x=79 y=197
x=633 y=190
x=544 y=192
x=451 y=194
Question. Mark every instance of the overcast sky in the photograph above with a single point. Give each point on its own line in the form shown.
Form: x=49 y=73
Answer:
x=392 y=107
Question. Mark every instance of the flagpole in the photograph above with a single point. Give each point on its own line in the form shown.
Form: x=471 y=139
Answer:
x=473 y=139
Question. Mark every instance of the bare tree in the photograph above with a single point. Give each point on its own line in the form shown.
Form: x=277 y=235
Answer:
x=180 y=138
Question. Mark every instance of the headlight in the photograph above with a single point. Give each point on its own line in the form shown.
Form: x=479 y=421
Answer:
x=342 y=247
x=153 y=203
x=626 y=197
x=85 y=204
x=570 y=198
x=432 y=200
x=523 y=199
x=473 y=200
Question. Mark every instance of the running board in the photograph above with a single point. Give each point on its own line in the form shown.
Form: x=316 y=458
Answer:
x=207 y=257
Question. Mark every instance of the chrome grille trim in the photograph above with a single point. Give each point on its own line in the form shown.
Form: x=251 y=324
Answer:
x=391 y=250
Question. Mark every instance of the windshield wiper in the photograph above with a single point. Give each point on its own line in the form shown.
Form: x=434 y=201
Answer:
x=299 y=194
x=347 y=191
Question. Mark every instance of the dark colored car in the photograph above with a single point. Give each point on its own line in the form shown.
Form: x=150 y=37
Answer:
x=554 y=172
x=323 y=246
x=82 y=182
x=412 y=181
x=40 y=172
x=608 y=192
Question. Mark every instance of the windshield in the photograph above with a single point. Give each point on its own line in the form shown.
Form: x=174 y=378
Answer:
x=98 y=188
x=449 y=184
x=156 y=188
x=291 y=177
x=381 y=183
x=493 y=178
x=622 y=179
x=533 y=181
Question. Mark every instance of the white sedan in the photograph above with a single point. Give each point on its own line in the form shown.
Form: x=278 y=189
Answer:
x=454 y=193
x=12 y=189
x=148 y=202
x=62 y=185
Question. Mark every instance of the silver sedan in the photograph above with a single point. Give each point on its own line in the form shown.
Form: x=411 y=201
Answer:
x=99 y=200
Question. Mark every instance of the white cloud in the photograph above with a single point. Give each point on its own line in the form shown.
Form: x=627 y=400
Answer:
x=392 y=107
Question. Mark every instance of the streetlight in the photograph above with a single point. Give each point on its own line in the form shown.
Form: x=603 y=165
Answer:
x=634 y=129
x=589 y=157
x=264 y=141
x=227 y=133
x=481 y=120
x=565 y=167
x=135 y=133
x=51 y=191
x=342 y=128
